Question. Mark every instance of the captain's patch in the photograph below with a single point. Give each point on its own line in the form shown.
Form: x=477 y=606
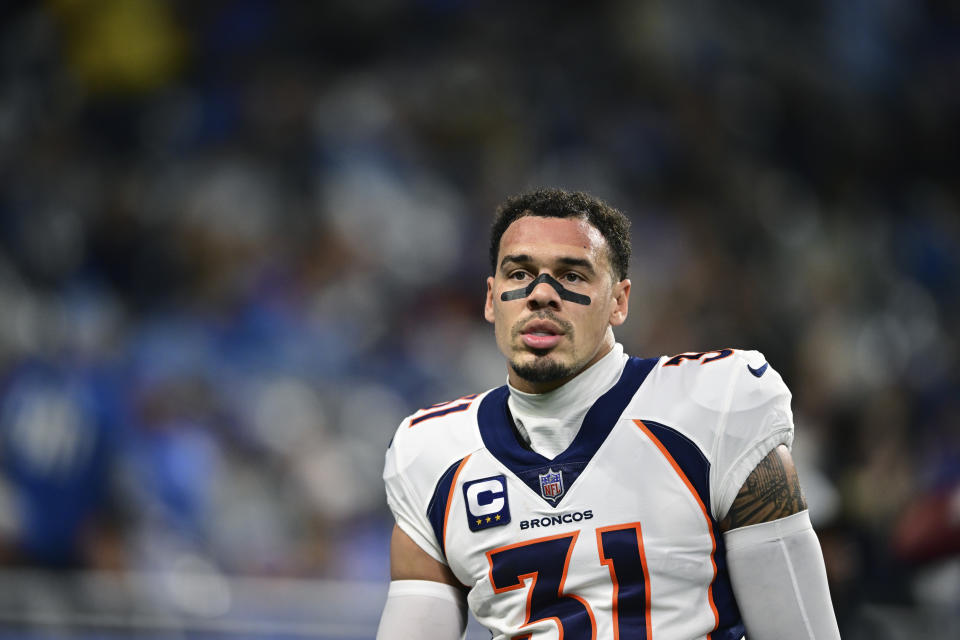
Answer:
x=486 y=501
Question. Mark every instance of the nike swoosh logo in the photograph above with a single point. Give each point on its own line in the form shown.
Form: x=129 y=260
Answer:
x=759 y=371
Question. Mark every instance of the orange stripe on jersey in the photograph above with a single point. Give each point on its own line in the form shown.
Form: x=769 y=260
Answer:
x=453 y=485
x=703 y=508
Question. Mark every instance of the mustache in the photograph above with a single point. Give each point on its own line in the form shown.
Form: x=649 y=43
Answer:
x=565 y=326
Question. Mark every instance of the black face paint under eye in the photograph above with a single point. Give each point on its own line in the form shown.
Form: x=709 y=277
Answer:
x=516 y=294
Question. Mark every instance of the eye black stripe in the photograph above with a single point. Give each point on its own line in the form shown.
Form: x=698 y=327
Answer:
x=564 y=294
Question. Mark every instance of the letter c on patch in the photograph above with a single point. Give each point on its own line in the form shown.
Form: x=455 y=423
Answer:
x=483 y=498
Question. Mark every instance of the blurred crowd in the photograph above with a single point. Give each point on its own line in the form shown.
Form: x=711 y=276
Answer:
x=239 y=241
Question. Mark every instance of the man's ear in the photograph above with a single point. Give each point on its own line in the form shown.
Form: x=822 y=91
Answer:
x=621 y=297
x=488 y=305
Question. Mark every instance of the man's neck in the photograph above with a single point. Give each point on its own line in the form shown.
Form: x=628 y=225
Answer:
x=550 y=421
x=528 y=386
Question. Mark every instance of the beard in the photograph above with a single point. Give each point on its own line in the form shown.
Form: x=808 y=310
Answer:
x=542 y=370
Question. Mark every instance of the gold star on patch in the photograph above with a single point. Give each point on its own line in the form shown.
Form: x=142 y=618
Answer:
x=497 y=517
x=479 y=521
x=488 y=518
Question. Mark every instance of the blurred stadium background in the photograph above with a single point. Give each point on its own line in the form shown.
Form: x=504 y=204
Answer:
x=239 y=241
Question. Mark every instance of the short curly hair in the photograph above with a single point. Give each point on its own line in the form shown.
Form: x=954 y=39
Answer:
x=557 y=203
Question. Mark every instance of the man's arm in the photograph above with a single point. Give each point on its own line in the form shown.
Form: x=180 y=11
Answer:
x=772 y=491
x=776 y=566
x=409 y=562
x=425 y=599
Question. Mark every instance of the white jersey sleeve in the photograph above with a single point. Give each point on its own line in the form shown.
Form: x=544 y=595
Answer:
x=730 y=403
x=420 y=465
x=408 y=506
x=756 y=418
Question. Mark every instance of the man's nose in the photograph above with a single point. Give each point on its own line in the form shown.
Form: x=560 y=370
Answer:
x=543 y=295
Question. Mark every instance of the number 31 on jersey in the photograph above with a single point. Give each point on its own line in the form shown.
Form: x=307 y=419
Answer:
x=545 y=561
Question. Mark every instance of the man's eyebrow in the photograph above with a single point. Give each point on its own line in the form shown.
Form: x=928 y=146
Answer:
x=522 y=258
x=519 y=258
x=576 y=262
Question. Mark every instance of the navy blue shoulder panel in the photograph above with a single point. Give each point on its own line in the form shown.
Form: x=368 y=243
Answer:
x=496 y=428
x=688 y=455
x=696 y=467
x=437 y=509
x=501 y=439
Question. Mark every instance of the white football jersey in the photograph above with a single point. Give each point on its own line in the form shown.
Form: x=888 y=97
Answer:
x=616 y=537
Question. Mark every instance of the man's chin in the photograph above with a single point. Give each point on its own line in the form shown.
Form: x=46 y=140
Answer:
x=541 y=369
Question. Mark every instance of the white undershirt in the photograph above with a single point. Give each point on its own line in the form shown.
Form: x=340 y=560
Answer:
x=549 y=421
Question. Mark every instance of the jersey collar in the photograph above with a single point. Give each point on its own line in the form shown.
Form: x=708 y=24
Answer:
x=502 y=440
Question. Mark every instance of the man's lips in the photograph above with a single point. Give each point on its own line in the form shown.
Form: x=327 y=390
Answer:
x=541 y=335
x=541 y=341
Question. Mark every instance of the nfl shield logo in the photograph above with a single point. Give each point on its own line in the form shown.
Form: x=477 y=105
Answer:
x=551 y=485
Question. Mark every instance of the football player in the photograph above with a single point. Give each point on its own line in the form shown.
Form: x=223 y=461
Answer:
x=598 y=495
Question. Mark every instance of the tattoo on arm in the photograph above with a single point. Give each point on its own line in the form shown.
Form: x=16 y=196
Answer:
x=772 y=491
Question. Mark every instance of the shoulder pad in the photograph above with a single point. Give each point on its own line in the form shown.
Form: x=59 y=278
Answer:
x=435 y=435
x=724 y=380
x=731 y=403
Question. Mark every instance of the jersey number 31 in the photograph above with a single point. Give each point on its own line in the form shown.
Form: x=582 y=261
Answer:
x=545 y=561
